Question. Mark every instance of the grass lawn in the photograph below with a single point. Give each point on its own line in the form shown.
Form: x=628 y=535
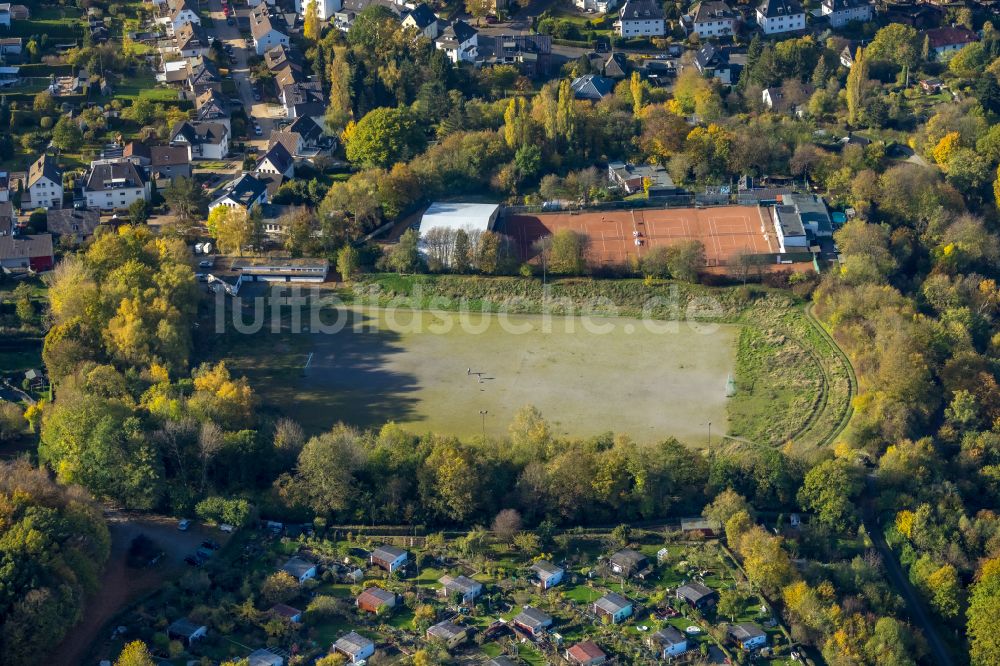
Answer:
x=329 y=630
x=761 y=371
x=52 y=13
x=530 y=655
x=492 y=649
x=402 y=618
x=213 y=165
x=145 y=86
x=18 y=361
x=428 y=578
x=31 y=86
x=582 y=594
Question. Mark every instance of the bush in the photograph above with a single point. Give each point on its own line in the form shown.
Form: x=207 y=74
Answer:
x=45 y=123
x=221 y=510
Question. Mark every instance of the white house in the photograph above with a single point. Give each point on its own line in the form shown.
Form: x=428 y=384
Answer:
x=713 y=18
x=183 y=12
x=641 y=18
x=325 y=9
x=115 y=184
x=613 y=605
x=354 y=646
x=548 y=574
x=460 y=41
x=276 y=161
x=186 y=631
x=388 y=557
x=300 y=569
x=450 y=634
x=463 y=586
x=191 y=40
x=669 y=642
x=45 y=185
x=204 y=140
x=244 y=192
x=788 y=229
x=266 y=29
x=777 y=16
x=947 y=41
x=748 y=635
x=422 y=19
x=842 y=12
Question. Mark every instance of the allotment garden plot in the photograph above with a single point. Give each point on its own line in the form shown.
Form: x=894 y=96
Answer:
x=458 y=375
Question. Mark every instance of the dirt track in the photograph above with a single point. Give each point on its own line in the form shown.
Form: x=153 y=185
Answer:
x=120 y=585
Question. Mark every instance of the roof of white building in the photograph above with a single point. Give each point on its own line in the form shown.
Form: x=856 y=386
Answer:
x=469 y=216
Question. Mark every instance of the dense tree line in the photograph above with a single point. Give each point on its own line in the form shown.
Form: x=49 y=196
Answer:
x=53 y=546
x=393 y=476
x=915 y=305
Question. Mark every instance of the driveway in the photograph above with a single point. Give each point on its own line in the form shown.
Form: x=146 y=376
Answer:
x=264 y=114
x=120 y=585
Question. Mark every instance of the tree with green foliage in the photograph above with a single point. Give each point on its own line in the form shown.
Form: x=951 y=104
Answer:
x=828 y=491
x=66 y=135
x=23 y=305
x=895 y=43
x=324 y=474
x=142 y=111
x=655 y=263
x=983 y=611
x=279 y=588
x=732 y=603
x=462 y=252
x=138 y=211
x=566 y=252
x=404 y=257
x=857 y=83
x=187 y=201
x=686 y=260
x=54 y=545
x=347 y=262
x=383 y=137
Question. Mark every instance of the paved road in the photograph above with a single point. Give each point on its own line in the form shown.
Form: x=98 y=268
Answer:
x=262 y=113
x=914 y=604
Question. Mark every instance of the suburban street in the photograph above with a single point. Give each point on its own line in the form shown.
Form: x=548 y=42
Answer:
x=261 y=112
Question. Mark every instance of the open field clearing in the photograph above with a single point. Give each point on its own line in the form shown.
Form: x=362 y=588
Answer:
x=587 y=377
x=792 y=383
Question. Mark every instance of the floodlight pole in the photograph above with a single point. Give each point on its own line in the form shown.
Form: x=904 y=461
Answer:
x=483 y=413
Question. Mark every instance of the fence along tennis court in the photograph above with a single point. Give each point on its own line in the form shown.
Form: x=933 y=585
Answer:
x=725 y=231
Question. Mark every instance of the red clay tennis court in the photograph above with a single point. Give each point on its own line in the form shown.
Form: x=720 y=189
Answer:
x=725 y=231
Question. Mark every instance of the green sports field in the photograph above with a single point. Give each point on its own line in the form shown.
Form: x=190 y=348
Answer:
x=590 y=376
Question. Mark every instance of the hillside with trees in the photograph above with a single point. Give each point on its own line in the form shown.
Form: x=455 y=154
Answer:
x=53 y=546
